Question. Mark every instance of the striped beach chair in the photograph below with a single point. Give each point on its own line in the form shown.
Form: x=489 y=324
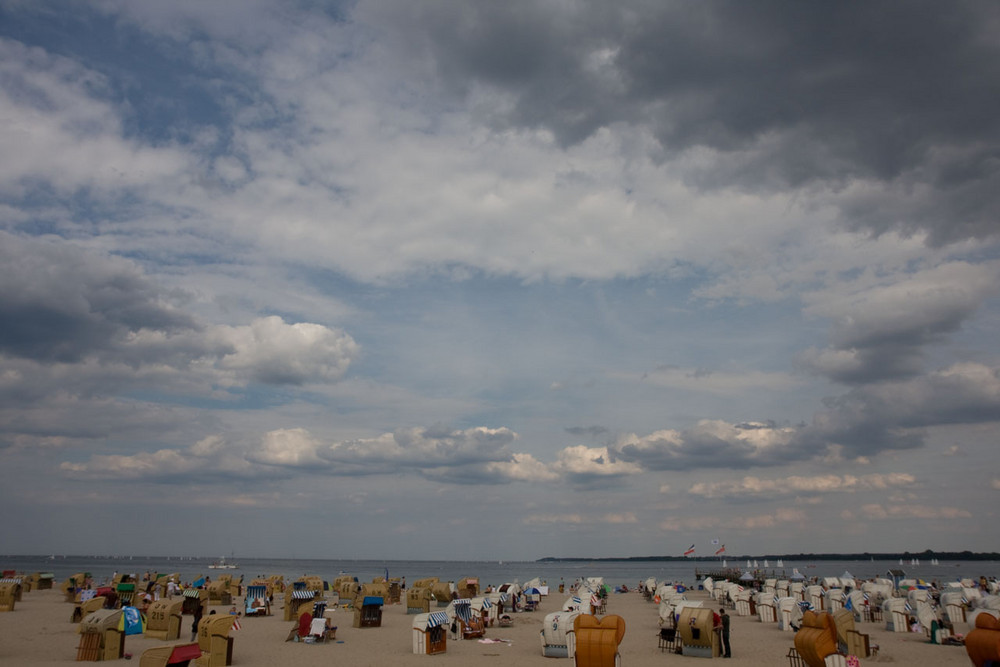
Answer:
x=468 y=624
x=256 y=602
x=429 y=635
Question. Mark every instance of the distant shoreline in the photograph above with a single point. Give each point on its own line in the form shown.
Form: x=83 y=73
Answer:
x=924 y=557
x=906 y=556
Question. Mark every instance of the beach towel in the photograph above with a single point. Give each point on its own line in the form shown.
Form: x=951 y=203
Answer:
x=131 y=622
x=318 y=627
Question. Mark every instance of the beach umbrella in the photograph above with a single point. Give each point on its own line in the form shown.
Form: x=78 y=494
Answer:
x=846 y=575
x=797 y=576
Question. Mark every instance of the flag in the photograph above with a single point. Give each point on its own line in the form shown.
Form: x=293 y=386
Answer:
x=721 y=549
x=689 y=551
x=236 y=624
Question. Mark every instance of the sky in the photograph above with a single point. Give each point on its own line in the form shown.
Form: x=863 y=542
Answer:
x=480 y=280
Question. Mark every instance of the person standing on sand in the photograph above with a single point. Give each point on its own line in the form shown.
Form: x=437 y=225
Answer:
x=724 y=622
x=194 y=624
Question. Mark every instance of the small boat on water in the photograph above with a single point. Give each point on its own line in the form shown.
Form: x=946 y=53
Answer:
x=222 y=564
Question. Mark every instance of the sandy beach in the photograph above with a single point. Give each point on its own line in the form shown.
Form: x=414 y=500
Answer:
x=39 y=632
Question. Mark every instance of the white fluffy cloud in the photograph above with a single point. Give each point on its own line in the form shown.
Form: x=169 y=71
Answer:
x=272 y=351
x=479 y=452
x=212 y=458
x=711 y=443
x=584 y=464
x=293 y=448
x=422 y=448
x=88 y=319
x=522 y=467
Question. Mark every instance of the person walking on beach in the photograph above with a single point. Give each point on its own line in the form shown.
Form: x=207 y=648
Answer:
x=724 y=624
x=194 y=623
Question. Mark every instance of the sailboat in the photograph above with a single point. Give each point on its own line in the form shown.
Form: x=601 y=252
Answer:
x=780 y=563
x=221 y=564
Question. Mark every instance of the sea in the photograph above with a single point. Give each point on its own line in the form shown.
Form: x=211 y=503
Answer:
x=552 y=573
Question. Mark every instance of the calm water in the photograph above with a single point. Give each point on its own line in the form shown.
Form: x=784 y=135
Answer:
x=489 y=572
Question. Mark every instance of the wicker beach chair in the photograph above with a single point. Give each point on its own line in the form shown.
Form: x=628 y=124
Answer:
x=983 y=642
x=597 y=640
x=817 y=638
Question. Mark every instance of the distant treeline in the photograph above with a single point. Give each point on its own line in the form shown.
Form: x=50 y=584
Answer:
x=905 y=555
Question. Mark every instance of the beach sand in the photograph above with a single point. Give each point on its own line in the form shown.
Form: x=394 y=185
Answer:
x=39 y=633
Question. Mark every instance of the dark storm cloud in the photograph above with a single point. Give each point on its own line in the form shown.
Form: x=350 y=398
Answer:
x=59 y=303
x=864 y=422
x=859 y=366
x=893 y=415
x=879 y=332
x=791 y=93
